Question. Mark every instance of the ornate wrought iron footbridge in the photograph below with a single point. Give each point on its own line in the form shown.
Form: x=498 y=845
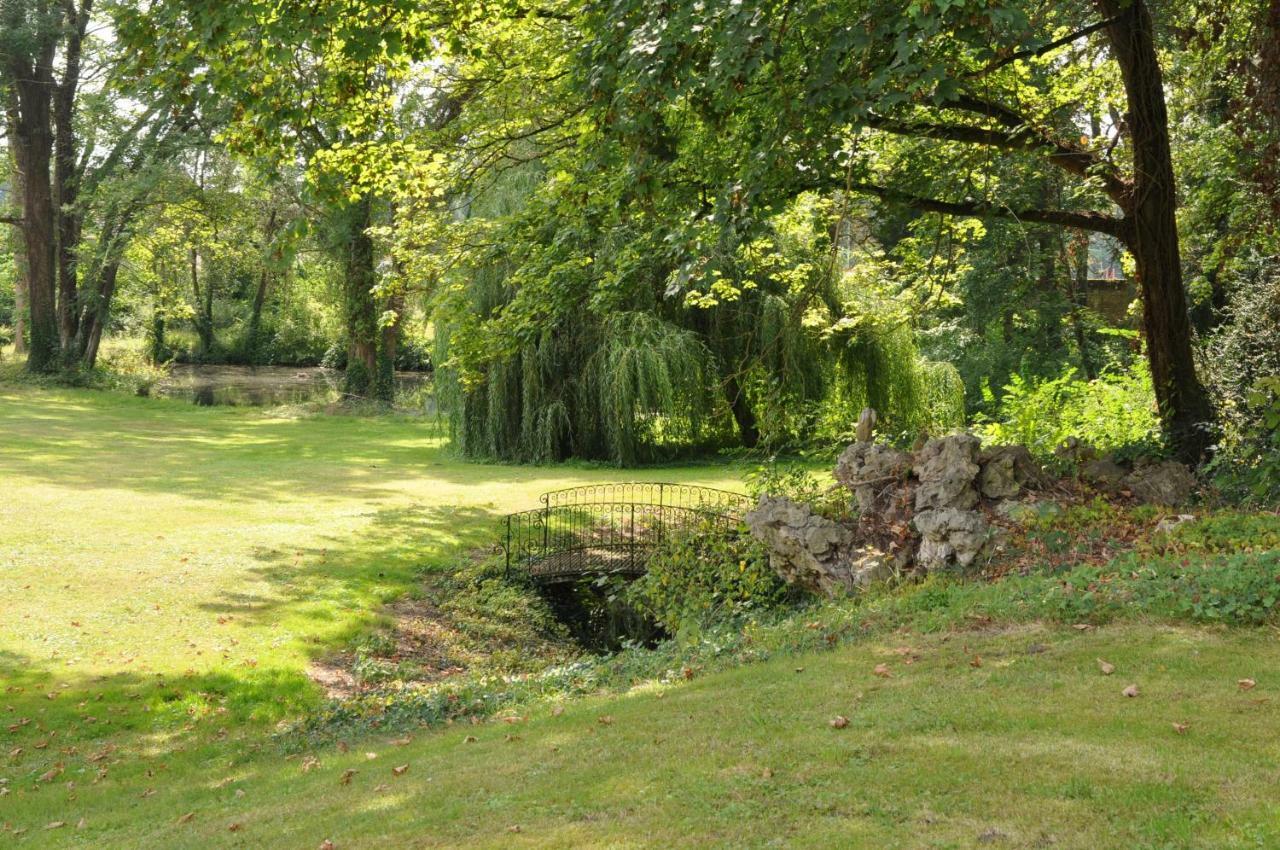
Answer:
x=610 y=528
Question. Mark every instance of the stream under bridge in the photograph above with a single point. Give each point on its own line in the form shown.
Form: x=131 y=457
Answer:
x=610 y=528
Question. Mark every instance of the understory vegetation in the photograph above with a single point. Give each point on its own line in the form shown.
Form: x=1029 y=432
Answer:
x=345 y=345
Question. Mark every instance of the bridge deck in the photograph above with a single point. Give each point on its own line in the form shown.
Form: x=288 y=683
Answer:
x=611 y=528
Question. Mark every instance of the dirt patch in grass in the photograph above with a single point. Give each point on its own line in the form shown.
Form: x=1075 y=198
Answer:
x=456 y=624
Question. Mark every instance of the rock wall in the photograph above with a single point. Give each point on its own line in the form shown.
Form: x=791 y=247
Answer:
x=927 y=510
x=915 y=511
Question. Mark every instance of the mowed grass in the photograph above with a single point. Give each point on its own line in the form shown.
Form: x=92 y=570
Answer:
x=167 y=572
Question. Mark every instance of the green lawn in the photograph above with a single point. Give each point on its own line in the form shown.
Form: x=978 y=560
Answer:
x=168 y=571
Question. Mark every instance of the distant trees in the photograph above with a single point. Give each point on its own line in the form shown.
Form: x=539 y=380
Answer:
x=83 y=170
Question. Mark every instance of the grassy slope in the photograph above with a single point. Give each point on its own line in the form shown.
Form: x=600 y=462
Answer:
x=132 y=527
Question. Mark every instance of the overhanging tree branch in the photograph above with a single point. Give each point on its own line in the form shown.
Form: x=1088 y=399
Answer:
x=1092 y=221
x=1071 y=158
x=1032 y=52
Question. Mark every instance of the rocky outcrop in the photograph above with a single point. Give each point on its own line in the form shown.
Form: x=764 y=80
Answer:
x=1103 y=472
x=812 y=551
x=950 y=538
x=1007 y=471
x=874 y=473
x=1166 y=482
x=947 y=468
x=915 y=510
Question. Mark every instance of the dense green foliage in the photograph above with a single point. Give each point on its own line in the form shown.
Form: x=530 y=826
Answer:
x=1114 y=412
x=628 y=233
x=703 y=577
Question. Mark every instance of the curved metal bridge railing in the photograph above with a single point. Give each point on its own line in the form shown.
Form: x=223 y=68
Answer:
x=603 y=528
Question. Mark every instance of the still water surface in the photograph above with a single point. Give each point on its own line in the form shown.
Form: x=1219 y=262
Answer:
x=260 y=385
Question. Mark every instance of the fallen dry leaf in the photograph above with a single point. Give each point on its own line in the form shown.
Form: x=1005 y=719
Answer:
x=976 y=662
x=145 y=794
x=327 y=845
x=371 y=756
x=347 y=774
x=513 y=828
x=401 y=742
x=470 y=739
x=310 y=763
x=235 y=827
x=767 y=773
x=1181 y=728
x=399 y=771
x=1107 y=668
x=57 y=824
x=557 y=710
x=1130 y=691
x=187 y=817
x=1082 y=627
x=82 y=823
x=839 y=721
x=604 y=720
x=1246 y=684
x=380 y=787
x=882 y=670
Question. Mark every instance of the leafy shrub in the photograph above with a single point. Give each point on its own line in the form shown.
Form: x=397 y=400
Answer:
x=1248 y=469
x=1114 y=412
x=1224 y=531
x=1239 y=589
x=705 y=575
x=798 y=483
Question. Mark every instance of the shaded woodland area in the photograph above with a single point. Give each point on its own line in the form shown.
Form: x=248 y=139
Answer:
x=617 y=234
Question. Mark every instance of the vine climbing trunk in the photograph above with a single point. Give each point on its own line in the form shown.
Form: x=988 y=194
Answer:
x=1151 y=233
x=364 y=375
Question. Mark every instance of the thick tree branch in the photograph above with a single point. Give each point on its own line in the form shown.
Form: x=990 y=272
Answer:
x=1032 y=52
x=1071 y=158
x=1092 y=221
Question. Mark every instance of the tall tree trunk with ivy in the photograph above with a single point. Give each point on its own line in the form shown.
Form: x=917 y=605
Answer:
x=365 y=374
x=1151 y=233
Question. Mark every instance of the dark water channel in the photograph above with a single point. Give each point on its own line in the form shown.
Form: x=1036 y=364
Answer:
x=258 y=386
x=598 y=618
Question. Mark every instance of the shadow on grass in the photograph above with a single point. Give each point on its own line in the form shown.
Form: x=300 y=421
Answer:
x=61 y=720
x=98 y=440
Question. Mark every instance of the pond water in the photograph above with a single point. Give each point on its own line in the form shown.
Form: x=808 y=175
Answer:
x=260 y=385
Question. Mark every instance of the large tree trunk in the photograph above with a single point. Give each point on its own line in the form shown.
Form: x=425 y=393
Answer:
x=743 y=415
x=390 y=343
x=97 y=318
x=1152 y=233
x=17 y=244
x=1266 y=98
x=253 y=343
x=361 y=310
x=33 y=151
x=65 y=179
x=204 y=304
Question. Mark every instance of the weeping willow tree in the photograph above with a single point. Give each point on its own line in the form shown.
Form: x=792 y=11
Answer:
x=581 y=332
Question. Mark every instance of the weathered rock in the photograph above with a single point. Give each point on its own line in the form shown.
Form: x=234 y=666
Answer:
x=1103 y=472
x=866 y=425
x=1166 y=482
x=873 y=472
x=950 y=538
x=812 y=551
x=947 y=467
x=1169 y=523
x=1007 y=470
